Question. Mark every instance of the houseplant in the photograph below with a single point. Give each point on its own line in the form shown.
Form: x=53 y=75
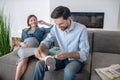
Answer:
x=5 y=46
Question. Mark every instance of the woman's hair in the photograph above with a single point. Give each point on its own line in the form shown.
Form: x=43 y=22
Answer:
x=61 y=11
x=29 y=18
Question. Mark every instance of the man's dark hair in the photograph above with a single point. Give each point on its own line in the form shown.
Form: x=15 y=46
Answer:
x=60 y=11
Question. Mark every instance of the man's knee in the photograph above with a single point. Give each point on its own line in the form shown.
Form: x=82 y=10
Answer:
x=73 y=67
x=67 y=70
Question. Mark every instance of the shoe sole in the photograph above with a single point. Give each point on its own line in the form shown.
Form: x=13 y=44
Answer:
x=50 y=62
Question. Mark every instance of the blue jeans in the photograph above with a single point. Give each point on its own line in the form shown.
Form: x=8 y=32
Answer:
x=71 y=68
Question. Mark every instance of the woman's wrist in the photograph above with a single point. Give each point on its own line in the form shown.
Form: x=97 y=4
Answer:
x=48 y=24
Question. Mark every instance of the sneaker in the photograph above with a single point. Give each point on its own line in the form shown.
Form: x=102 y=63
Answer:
x=50 y=62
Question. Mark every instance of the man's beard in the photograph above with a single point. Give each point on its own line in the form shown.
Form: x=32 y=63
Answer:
x=64 y=28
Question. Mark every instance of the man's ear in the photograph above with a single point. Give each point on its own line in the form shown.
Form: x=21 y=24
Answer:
x=69 y=18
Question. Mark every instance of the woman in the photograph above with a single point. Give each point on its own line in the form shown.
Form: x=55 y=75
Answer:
x=31 y=38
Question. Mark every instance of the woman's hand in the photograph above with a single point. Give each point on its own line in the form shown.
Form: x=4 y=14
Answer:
x=44 y=23
x=41 y=22
x=23 y=44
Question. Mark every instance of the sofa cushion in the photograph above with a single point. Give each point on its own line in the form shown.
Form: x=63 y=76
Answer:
x=8 y=67
x=106 y=41
x=10 y=58
x=90 y=39
x=100 y=60
x=58 y=75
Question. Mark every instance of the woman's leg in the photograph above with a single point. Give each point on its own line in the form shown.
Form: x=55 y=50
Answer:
x=21 y=67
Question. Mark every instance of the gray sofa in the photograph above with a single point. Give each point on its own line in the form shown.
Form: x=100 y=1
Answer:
x=104 y=51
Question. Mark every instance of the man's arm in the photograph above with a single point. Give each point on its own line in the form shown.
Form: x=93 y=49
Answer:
x=41 y=47
x=50 y=38
x=84 y=45
x=64 y=55
x=44 y=44
x=39 y=52
x=83 y=51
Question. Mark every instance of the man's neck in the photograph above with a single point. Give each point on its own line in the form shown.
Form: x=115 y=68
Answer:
x=68 y=26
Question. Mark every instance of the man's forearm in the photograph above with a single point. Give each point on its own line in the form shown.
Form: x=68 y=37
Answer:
x=74 y=55
x=41 y=47
x=64 y=55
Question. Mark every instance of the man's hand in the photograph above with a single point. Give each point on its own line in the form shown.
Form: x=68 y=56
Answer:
x=39 y=54
x=61 y=56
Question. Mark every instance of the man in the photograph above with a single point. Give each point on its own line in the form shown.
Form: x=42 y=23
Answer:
x=73 y=42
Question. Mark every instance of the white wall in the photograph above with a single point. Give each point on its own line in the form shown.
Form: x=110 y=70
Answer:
x=109 y=7
x=19 y=10
x=119 y=19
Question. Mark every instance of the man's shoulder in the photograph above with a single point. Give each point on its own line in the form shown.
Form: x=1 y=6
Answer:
x=79 y=25
x=54 y=28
